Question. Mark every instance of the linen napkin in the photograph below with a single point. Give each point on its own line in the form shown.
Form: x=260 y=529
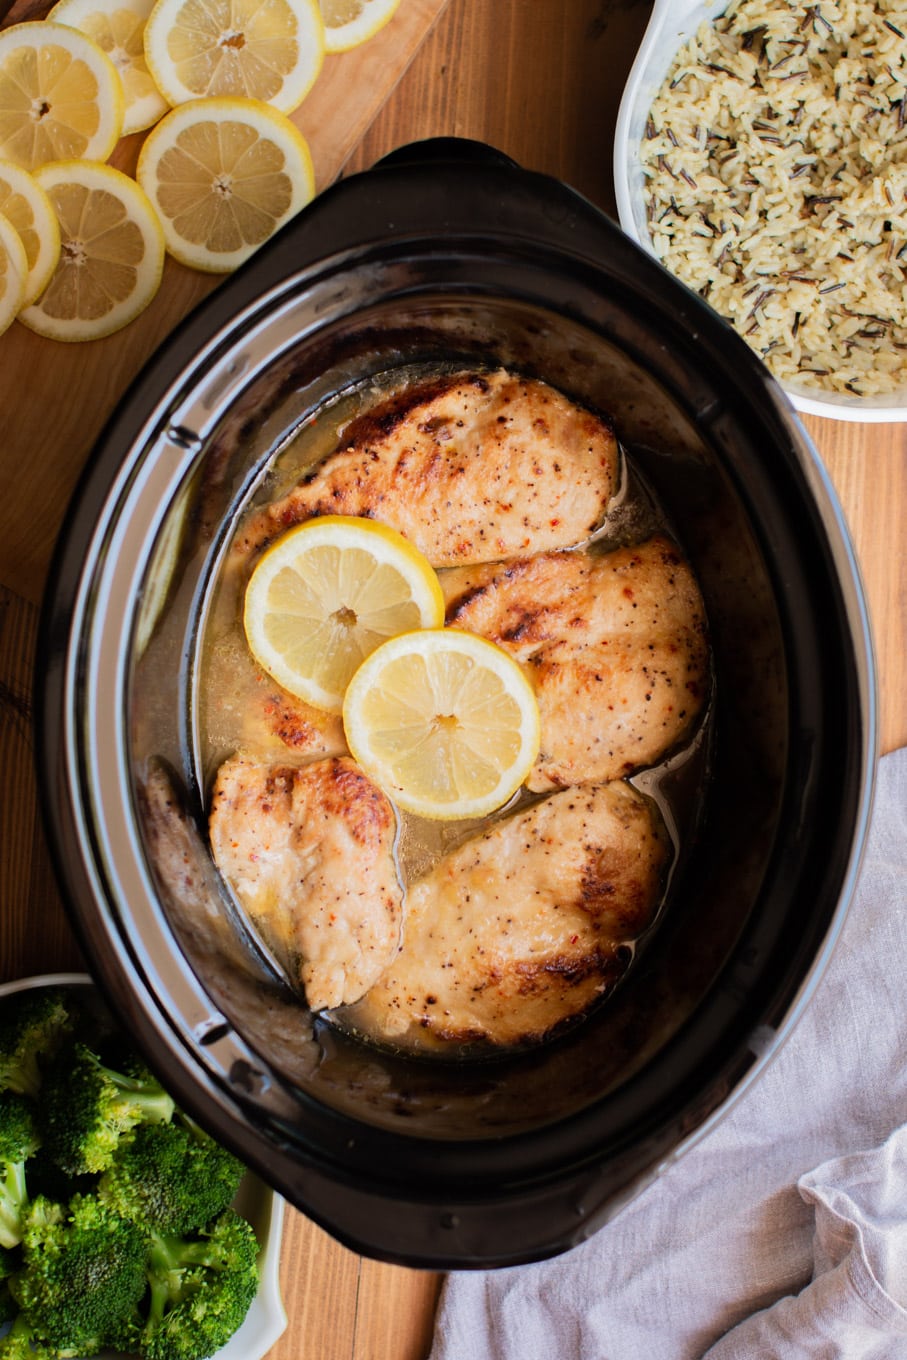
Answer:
x=783 y=1233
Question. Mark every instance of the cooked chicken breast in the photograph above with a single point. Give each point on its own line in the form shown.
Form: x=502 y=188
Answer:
x=309 y=853
x=615 y=645
x=472 y=467
x=524 y=926
x=274 y=721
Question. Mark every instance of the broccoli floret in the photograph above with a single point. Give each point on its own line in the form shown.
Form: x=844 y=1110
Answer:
x=20 y=1343
x=83 y=1272
x=19 y=1139
x=114 y=1230
x=32 y=1026
x=86 y=1108
x=171 y=1177
x=201 y=1289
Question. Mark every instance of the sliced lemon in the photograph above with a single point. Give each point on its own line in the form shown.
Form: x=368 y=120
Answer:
x=329 y=592
x=348 y=23
x=223 y=175
x=26 y=206
x=112 y=253
x=13 y=273
x=255 y=49
x=118 y=28
x=60 y=96
x=444 y=721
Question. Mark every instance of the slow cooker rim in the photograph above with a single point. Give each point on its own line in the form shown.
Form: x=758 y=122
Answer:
x=50 y=627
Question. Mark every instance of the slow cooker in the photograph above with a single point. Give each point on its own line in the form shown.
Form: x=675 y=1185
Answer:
x=447 y=251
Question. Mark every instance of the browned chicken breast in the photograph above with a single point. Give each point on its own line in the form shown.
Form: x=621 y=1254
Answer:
x=521 y=927
x=615 y=645
x=274 y=720
x=471 y=468
x=308 y=852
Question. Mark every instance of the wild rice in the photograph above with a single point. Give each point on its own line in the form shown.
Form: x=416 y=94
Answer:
x=776 y=165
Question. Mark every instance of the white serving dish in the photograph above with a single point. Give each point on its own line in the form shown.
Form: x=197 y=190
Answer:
x=266 y=1319
x=671 y=23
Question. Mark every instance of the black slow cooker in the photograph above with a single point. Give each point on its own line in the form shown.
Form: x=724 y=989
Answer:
x=446 y=252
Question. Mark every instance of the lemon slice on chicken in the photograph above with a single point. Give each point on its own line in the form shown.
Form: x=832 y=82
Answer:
x=326 y=594
x=61 y=97
x=223 y=175
x=444 y=721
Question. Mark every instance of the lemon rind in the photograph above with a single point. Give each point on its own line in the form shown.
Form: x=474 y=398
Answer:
x=521 y=691
x=302 y=173
x=131 y=193
x=386 y=546
x=291 y=93
x=46 y=227
x=140 y=111
x=357 y=31
x=36 y=33
x=16 y=272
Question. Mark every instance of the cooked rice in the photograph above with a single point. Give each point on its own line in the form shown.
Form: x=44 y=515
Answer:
x=776 y=166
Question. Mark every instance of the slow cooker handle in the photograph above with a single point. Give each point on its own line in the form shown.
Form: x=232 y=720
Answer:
x=440 y=188
x=446 y=151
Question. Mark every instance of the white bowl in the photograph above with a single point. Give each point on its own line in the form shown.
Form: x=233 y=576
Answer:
x=672 y=22
x=266 y=1319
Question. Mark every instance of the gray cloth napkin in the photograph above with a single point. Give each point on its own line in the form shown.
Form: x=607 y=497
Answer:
x=783 y=1233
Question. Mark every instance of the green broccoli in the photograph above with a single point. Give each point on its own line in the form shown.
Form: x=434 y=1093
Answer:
x=87 y=1108
x=19 y=1139
x=171 y=1177
x=20 y=1343
x=201 y=1289
x=83 y=1272
x=114 y=1230
x=32 y=1026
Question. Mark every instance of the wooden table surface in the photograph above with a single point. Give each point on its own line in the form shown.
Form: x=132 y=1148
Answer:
x=541 y=79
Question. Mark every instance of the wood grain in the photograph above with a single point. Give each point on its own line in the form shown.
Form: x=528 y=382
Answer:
x=542 y=82
x=868 y=467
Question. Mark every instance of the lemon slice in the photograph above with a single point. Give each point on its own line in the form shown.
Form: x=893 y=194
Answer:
x=223 y=175
x=348 y=23
x=118 y=28
x=444 y=721
x=112 y=253
x=198 y=49
x=26 y=206
x=60 y=96
x=327 y=594
x=13 y=273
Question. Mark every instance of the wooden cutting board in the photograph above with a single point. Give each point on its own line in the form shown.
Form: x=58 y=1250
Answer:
x=55 y=397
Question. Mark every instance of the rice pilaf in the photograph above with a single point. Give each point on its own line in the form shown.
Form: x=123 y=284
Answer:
x=775 y=158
